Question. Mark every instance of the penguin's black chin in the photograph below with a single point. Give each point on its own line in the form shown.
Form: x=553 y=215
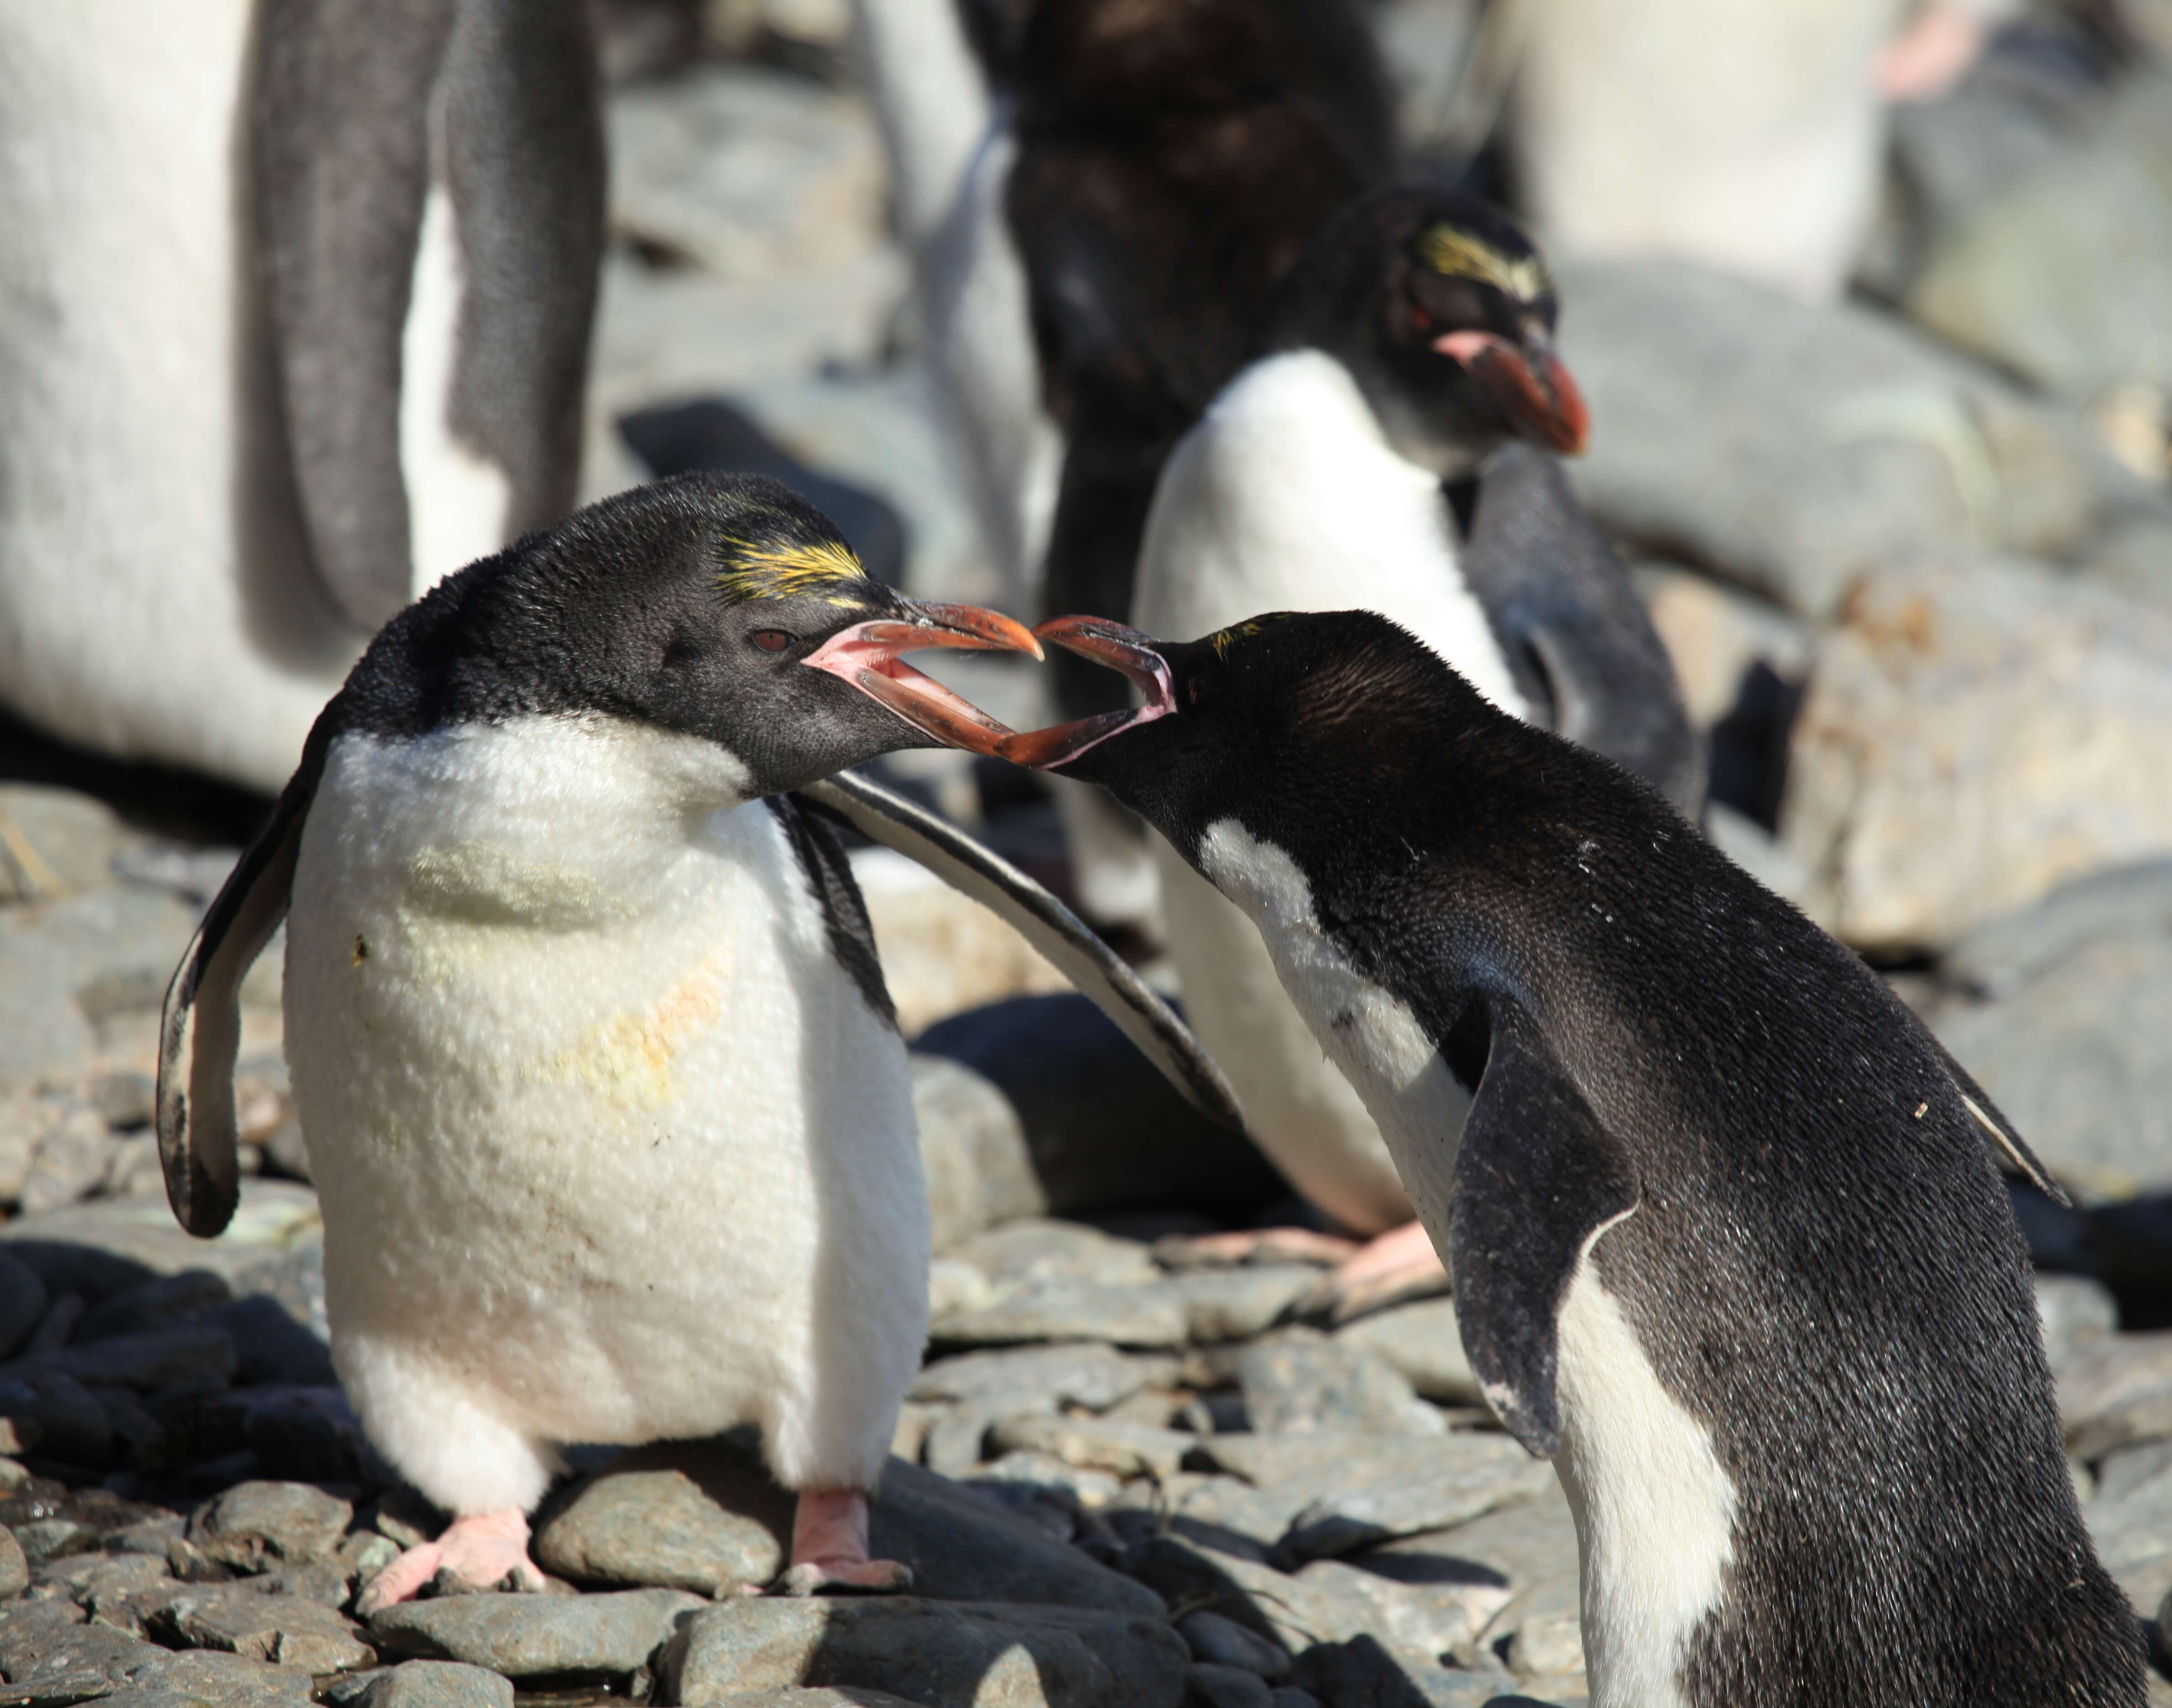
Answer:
x=868 y=656
x=1529 y=386
x=1127 y=651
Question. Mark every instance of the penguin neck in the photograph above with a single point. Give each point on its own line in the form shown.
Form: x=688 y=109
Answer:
x=1288 y=496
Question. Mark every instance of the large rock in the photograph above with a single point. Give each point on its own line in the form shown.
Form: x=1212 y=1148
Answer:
x=254 y=1526
x=58 y=842
x=2064 y=277
x=100 y=1248
x=1794 y=449
x=941 y=952
x=50 y=956
x=1422 y=1342
x=436 y=1685
x=972 y=1150
x=1975 y=732
x=941 y=1656
x=286 y=1631
x=1300 y=1380
x=525 y=1636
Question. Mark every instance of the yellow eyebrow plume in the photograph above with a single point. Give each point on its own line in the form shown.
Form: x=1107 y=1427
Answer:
x=1450 y=251
x=785 y=569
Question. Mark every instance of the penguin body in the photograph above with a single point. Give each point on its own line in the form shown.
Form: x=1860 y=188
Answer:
x=1726 y=1240
x=603 y=1094
x=1301 y=489
x=313 y=285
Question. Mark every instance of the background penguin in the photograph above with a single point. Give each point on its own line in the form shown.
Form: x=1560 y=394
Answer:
x=1724 y=1235
x=299 y=305
x=602 y=1090
x=1414 y=338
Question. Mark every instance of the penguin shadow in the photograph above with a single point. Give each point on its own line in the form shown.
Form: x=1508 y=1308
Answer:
x=710 y=435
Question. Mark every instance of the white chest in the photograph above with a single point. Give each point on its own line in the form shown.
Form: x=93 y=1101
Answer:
x=1371 y=1035
x=1287 y=496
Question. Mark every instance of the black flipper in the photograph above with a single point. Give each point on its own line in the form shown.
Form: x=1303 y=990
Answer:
x=829 y=873
x=1574 y=630
x=1537 y=1176
x=2015 y=1158
x=1045 y=922
x=201 y=1029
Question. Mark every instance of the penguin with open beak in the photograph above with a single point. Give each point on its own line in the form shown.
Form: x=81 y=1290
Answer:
x=602 y=1090
x=1727 y=1241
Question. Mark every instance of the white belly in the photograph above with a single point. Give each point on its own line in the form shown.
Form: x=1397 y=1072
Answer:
x=153 y=601
x=606 y=1139
x=1286 y=497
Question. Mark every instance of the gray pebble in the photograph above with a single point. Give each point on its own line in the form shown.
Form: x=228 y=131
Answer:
x=1300 y=1380
x=1041 y=1248
x=1092 y=1376
x=1231 y=1687
x=1223 y=1642
x=1057 y=1309
x=71 y=1425
x=525 y=1636
x=70 y=1161
x=1422 y=1342
x=126 y=1098
x=674 y=1516
x=14 y=1570
x=437 y=1684
x=209 y=1678
x=284 y=1630
x=1092 y=1444
x=255 y=1525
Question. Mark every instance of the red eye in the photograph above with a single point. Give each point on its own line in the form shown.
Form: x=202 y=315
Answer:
x=770 y=640
x=1420 y=319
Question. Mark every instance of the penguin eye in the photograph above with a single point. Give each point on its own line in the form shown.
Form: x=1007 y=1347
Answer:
x=770 y=640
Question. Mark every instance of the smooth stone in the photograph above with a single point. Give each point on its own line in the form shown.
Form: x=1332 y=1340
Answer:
x=1430 y=1613
x=1471 y=1475
x=819 y=1696
x=1058 y=1309
x=2133 y=1536
x=1293 y=1611
x=2003 y=954
x=1230 y=1687
x=161 y=1302
x=1422 y=1342
x=1362 y=1672
x=70 y=1424
x=1217 y=1641
x=526 y=1637
x=664 y=1515
x=15 y=1569
x=1105 y=1130
x=155 y=1359
x=22 y=1302
x=940 y=1655
x=1966 y=690
x=973 y=1152
x=107 y=1244
x=59 y=1662
x=73 y=1155
x=1530 y=1547
x=942 y=953
x=254 y=1525
x=49 y=954
x=2073 y=1311
x=300 y=1434
x=71 y=838
x=437 y=1684
x=2124 y=1470
x=1034 y=1249
x=1093 y=1376
x=210 y=1678
x=1015 y=1477
x=1261 y=1516
x=1235 y=1304
x=957 y=1444
x=284 y=1630
x=1301 y=1381
x=1128 y=1450
x=2115 y=1391
x=1892 y=446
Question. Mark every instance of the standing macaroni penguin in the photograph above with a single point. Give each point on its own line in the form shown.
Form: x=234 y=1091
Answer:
x=1726 y=1240
x=601 y=1088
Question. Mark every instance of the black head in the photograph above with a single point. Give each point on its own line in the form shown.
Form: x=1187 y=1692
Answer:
x=716 y=606
x=1444 y=313
x=1296 y=725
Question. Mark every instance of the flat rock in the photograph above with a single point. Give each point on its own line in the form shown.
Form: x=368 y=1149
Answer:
x=14 y=1570
x=1973 y=733
x=71 y=839
x=1365 y=1673
x=2116 y=1390
x=1530 y=1548
x=1037 y=1248
x=1216 y=1640
x=1889 y=446
x=109 y=1244
x=69 y=1423
x=1235 y=1304
x=1300 y=1381
x=2074 y=1311
x=1293 y=1611
x=188 y=1353
x=973 y=1152
x=1230 y=1687
x=1421 y=1341
x=436 y=1685
x=818 y=1697
x=23 y=1301
x=2133 y=1537
x=939 y=1655
x=49 y=954
x=208 y=1678
x=526 y=1637
x=255 y=1525
x=1096 y=1377
x=1092 y=1444
x=1058 y=1309
x=942 y=953
x=673 y=1515
x=57 y=1661
x=1483 y=1472
x=284 y=1630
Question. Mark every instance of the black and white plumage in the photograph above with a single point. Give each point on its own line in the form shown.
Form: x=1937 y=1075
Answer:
x=314 y=283
x=1412 y=346
x=602 y=1095
x=1726 y=1237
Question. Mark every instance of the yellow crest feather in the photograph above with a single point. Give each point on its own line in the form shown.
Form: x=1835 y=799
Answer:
x=787 y=569
x=1450 y=251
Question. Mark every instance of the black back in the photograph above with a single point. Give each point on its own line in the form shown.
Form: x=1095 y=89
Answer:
x=1172 y=161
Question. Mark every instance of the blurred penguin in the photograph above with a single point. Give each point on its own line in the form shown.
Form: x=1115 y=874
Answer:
x=1749 y=137
x=297 y=308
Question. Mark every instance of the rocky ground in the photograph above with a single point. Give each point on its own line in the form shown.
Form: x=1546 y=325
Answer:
x=1913 y=558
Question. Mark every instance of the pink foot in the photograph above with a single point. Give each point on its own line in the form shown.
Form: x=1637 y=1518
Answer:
x=487 y=1548
x=1259 y=1245
x=1399 y=1265
x=1931 y=56
x=830 y=1546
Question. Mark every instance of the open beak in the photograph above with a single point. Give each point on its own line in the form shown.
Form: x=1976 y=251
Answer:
x=1530 y=383
x=870 y=657
x=1126 y=650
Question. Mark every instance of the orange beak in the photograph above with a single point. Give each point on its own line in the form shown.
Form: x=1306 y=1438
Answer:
x=870 y=657
x=1127 y=650
x=1530 y=385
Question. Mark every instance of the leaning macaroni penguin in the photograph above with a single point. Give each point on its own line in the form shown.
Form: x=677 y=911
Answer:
x=1726 y=1239
x=600 y=1084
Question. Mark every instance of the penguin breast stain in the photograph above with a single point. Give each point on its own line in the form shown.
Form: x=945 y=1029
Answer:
x=627 y=1058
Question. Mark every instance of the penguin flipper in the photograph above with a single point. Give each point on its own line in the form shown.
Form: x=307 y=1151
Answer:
x=2016 y=1158
x=200 y=1030
x=1537 y=1179
x=1044 y=921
